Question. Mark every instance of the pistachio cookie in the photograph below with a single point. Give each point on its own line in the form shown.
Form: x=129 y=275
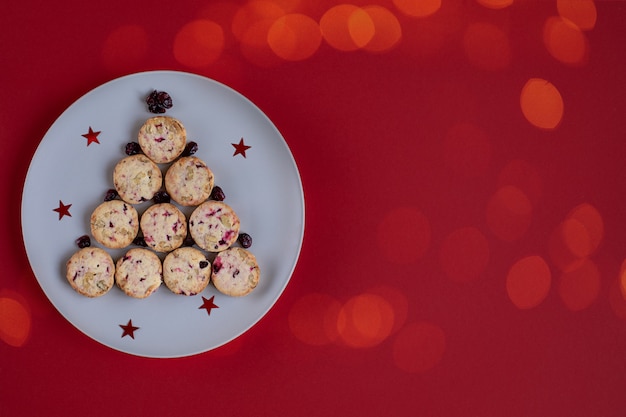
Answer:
x=189 y=181
x=114 y=224
x=164 y=227
x=136 y=179
x=235 y=272
x=214 y=226
x=162 y=139
x=90 y=271
x=186 y=271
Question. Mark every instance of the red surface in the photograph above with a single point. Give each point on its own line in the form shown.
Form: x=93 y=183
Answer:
x=458 y=260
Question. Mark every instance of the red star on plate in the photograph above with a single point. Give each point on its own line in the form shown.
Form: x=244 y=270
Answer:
x=208 y=304
x=240 y=148
x=91 y=136
x=63 y=210
x=129 y=329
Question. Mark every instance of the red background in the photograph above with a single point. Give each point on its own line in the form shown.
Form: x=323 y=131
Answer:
x=387 y=183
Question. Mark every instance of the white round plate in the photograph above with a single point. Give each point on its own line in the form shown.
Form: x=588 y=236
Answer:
x=71 y=171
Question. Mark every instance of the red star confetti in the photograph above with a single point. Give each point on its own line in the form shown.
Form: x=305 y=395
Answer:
x=63 y=210
x=91 y=136
x=240 y=148
x=208 y=304
x=129 y=329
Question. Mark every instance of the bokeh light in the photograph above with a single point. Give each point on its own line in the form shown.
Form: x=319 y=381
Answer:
x=313 y=319
x=419 y=346
x=387 y=29
x=422 y=8
x=15 y=319
x=254 y=45
x=495 y=4
x=222 y=13
x=125 y=48
x=398 y=302
x=524 y=176
x=365 y=321
x=403 y=235
x=560 y=254
x=199 y=43
x=541 y=104
x=467 y=150
x=336 y=27
x=487 y=46
x=251 y=25
x=528 y=282
x=253 y=12
x=565 y=41
x=582 y=13
x=294 y=37
x=464 y=254
x=509 y=213
x=361 y=27
x=579 y=287
x=583 y=230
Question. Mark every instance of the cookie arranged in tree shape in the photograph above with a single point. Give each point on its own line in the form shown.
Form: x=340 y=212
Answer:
x=186 y=271
x=164 y=227
x=214 y=226
x=90 y=271
x=162 y=139
x=235 y=272
x=136 y=179
x=139 y=272
x=114 y=224
x=189 y=181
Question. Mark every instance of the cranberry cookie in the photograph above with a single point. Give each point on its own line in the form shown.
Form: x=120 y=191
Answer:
x=136 y=179
x=114 y=224
x=235 y=272
x=214 y=226
x=162 y=138
x=186 y=271
x=189 y=181
x=138 y=273
x=164 y=227
x=90 y=272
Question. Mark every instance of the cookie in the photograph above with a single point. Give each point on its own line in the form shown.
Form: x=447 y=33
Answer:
x=136 y=179
x=90 y=271
x=164 y=227
x=114 y=224
x=162 y=139
x=138 y=273
x=186 y=271
x=214 y=226
x=235 y=272
x=189 y=181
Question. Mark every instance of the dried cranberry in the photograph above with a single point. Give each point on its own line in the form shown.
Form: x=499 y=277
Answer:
x=161 y=197
x=203 y=264
x=84 y=241
x=158 y=101
x=217 y=194
x=164 y=100
x=245 y=240
x=151 y=99
x=190 y=149
x=111 y=194
x=132 y=148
